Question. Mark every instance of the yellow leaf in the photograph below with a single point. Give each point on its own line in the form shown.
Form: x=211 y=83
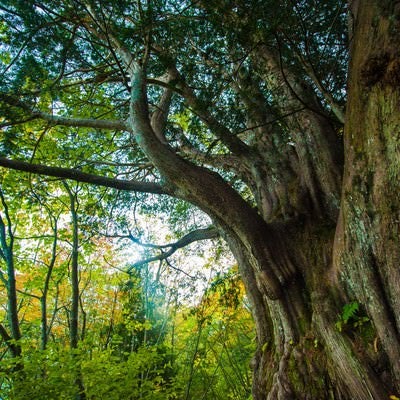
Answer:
x=264 y=347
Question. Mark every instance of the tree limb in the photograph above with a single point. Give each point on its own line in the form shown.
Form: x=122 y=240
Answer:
x=199 y=107
x=160 y=115
x=226 y=161
x=194 y=236
x=64 y=121
x=85 y=123
x=79 y=176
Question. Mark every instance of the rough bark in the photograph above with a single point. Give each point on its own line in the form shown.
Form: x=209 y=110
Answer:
x=366 y=249
x=365 y=263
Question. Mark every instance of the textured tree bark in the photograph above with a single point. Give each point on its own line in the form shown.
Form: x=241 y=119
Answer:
x=367 y=253
x=365 y=250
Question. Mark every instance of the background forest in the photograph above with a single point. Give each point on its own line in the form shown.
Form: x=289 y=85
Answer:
x=91 y=320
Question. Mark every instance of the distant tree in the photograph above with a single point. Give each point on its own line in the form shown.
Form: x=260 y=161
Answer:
x=248 y=111
x=8 y=280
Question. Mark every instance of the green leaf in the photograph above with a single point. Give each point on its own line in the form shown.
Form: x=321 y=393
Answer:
x=349 y=311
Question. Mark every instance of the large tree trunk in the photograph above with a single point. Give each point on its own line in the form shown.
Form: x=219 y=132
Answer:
x=367 y=251
x=304 y=355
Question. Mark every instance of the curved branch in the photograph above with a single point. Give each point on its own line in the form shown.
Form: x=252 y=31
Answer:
x=79 y=176
x=310 y=70
x=194 y=236
x=199 y=107
x=160 y=115
x=60 y=120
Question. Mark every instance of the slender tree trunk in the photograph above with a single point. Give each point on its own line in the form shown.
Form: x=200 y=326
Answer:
x=110 y=327
x=74 y=313
x=45 y=330
x=7 y=254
